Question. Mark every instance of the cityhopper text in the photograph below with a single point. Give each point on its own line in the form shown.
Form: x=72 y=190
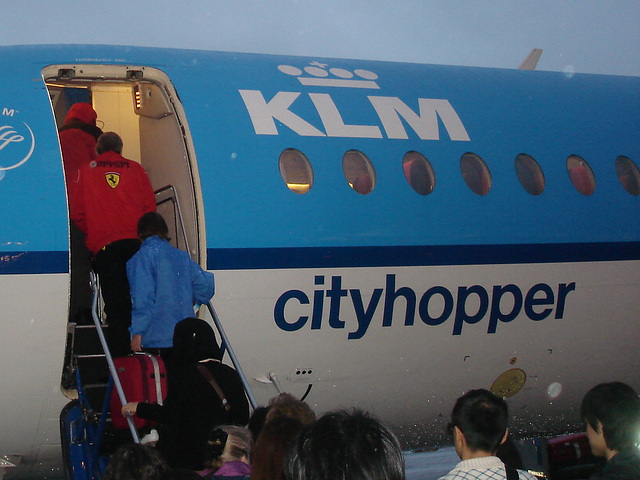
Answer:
x=435 y=306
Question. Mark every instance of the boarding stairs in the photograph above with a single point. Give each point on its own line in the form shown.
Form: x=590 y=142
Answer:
x=90 y=377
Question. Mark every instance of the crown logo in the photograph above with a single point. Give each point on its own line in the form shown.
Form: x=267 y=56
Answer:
x=320 y=76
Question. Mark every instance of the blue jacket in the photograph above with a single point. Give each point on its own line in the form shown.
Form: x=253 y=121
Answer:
x=165 y=285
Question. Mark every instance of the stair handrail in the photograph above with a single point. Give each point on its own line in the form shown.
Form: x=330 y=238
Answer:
x=234 y=359
x=107 y=354
x=177 y=211
x=223 y=336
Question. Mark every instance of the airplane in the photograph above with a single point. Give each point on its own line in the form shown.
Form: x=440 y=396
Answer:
x=383 y=235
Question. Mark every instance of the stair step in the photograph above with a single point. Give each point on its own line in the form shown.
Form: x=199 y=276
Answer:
x=88 y=386
x=95 y=397
x=95 y=355
x=93 y=369
x=86 y=340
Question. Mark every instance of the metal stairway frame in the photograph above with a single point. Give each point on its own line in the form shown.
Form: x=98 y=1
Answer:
x=92 y=436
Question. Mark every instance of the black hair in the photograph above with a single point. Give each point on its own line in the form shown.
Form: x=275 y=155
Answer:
x=346 y=445
x=194 y=340
x=213 y=448
x=257 y=420
x=616 y=406
x=135 y=462
x=482 y=417
x=109 y=142
x=152 y=223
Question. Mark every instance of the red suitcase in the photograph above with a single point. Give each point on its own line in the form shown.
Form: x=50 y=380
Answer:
x=144 y=379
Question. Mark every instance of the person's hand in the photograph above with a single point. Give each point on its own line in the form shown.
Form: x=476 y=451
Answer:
x=136 y=343
x=129 y=409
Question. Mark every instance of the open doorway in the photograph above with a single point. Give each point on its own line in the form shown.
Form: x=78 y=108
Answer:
x=142 y=106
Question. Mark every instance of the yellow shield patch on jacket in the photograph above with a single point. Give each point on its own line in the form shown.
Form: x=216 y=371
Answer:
x=113 y=179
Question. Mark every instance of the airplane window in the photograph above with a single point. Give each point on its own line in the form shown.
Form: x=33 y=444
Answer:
x=296 y=170
x=359 y=171
x=419 y=173
x=581 y=175
x=475 y=173
x=628 y=174
x=530 y=174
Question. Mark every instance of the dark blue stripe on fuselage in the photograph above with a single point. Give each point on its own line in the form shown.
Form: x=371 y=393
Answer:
x=335 y=257
x=25 y=263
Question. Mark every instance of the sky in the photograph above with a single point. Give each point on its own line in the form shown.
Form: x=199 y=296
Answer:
x=584 y=36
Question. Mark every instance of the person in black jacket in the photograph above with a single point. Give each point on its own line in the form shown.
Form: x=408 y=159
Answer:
x=78 y=137
x=193 y=407
x=611 y=412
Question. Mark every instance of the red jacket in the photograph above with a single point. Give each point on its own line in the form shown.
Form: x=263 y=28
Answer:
x=78 y=137
x=81 y=111
x=112 y=194
x=78 y=149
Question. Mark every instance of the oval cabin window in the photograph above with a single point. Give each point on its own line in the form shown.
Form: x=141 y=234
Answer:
x=529 y=174
x=581 y=175
x=628 y=174
x=475 y=173
x=419 y=173
x=296 y=170
x=359 y=172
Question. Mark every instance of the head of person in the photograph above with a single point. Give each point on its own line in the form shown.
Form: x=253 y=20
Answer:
x=152 y=223
x=611 y=412
x=136 y=462
x=109 y=142
x=286 y=405
x=481 y=417
x=82 y=112
x=346 y=445
x=194 y=340
x=257 y=421
x=227 y=443
x=270 y=448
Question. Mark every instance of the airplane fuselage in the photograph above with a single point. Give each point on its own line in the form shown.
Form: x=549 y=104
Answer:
x=383 y=235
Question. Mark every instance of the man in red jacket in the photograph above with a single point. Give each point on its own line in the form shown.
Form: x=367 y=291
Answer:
x=112 y=194
x=78 y=136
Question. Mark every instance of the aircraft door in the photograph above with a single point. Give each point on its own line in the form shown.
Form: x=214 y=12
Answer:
x=164 y=151
x=141 y=105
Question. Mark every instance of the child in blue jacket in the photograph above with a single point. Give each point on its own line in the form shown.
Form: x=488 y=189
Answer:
x=165 y=285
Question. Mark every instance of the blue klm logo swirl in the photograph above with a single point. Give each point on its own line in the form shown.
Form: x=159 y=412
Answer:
x=8 y=136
